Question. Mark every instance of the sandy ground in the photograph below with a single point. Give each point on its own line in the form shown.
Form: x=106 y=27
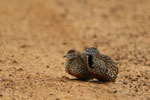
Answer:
x=35 y=34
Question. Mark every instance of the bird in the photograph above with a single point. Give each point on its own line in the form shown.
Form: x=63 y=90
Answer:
x=76 y=65
x=101 y=66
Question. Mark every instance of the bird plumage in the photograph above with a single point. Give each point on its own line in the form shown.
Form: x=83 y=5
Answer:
x=101 y=66
x=76 y=65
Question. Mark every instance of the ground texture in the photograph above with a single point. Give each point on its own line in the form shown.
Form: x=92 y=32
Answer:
x=35 y=34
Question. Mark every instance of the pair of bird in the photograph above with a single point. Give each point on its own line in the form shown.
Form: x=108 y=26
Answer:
x=90 y=64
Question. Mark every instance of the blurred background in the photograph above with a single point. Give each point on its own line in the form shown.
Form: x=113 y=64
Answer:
x=35 y=34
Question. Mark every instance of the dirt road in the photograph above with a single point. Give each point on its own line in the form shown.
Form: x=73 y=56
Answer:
x=35 y=34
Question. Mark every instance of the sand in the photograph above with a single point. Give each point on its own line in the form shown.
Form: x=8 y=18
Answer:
x=36 y=34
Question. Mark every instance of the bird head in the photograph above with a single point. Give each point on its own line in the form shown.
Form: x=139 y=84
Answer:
x=92 y=51
x=71 y=54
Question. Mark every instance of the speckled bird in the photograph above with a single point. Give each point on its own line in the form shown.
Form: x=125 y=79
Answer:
x=101 y=66
x=76 y=65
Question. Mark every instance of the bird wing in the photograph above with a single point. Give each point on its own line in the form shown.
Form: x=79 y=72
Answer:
x=109 y=62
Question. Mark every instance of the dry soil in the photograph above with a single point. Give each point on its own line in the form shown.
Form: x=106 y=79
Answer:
x=35 y=34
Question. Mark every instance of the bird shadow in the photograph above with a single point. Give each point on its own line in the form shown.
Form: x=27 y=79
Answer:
x=98 y=82
x=73 y=79
x=82 y=80
x=76 y=79
x=90 y=81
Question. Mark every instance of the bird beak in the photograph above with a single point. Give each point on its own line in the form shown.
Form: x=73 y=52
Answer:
x=85 y=52
x=67 y=56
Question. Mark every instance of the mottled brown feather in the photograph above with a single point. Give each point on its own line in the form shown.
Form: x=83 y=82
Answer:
x=109 y=62
x=106 y=71
x=77 y=66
